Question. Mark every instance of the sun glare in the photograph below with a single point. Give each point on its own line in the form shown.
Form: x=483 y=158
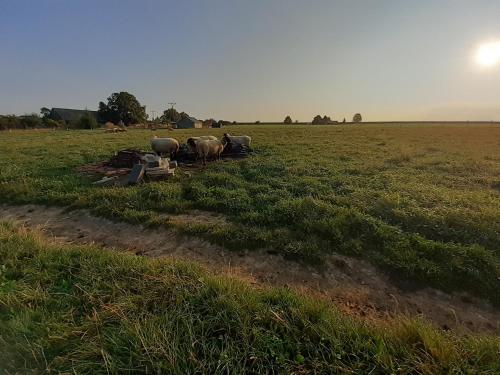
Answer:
x=488 y=54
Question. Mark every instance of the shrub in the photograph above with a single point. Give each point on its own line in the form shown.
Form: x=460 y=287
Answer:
x=87 y=121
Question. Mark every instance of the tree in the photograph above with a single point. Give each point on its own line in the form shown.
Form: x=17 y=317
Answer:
x=317 y=120
x=87 y=121
x=170 y=115
x=357 y=118
x=122 y=106
x=45 y=112
x=326 y=120
x=288 y=120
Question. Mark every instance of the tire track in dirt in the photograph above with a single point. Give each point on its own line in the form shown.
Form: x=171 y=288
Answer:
x=354 y=286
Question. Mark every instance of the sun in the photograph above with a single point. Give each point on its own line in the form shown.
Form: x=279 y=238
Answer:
x=488 y=54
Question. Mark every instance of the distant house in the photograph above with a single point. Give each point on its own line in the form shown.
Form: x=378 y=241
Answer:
x=188 y=123
x=70 y=116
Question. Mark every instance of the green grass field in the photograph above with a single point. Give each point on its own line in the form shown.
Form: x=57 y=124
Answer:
x=82 y=310
x=421 y=203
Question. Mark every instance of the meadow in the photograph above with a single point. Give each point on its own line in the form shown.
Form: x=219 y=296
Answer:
x=81 y=310
x=420 y=202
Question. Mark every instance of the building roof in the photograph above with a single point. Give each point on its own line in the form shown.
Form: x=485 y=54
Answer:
x=192 y=119
x=70 y=115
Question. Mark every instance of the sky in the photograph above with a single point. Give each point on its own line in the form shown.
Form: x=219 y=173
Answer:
x=248 y=60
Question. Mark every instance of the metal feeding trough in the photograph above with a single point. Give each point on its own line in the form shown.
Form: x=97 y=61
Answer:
x=126 y=158
x=133 y=165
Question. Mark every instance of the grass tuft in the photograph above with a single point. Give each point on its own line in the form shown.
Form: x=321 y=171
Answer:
x=79 y=309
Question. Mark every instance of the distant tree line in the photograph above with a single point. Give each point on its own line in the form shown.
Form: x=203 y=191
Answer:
x=123 y=108
x=326 y=120
x=30 y=121
x=21 y=122
x=323 y=120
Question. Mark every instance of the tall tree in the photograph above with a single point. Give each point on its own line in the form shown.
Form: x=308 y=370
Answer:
x=170 y=115
x=288 y=120
x=122 y=106
x=357 y=118
x=45 y=112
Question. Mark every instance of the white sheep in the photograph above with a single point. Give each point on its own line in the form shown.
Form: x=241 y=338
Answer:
x=161 y=146
x=242 y=140
x=209 y=149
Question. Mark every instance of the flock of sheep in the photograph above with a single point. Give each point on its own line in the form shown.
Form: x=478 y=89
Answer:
x=204 y=147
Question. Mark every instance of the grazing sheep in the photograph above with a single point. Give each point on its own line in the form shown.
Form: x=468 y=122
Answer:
x=161 y=146
x=209 y=149
x=242 y=140
x=191 y=142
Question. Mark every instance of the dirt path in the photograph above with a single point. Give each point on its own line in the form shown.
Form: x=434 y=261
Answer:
x=353 y=285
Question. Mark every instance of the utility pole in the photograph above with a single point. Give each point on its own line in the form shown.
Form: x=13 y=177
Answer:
x=172 y=111
x=153 y=115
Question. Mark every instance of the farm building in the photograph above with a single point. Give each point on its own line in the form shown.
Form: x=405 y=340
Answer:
x=70 y=116
x=188 y=122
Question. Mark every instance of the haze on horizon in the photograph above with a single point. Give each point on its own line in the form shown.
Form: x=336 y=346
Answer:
x=256 y=60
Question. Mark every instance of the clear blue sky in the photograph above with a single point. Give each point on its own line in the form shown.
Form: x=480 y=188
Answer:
x=253 y=59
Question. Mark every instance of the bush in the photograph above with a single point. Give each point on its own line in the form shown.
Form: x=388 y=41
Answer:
x=87 y=121
x=49 y=123
x=31 y=121
x=9 y=122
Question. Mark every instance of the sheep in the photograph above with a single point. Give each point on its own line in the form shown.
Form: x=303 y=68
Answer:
x=162 y=146
x=242 y=140
x=209 y=148
x=191 y=142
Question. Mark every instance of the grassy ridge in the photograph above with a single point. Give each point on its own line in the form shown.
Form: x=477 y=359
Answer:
x=85 y=310
x=422 y=203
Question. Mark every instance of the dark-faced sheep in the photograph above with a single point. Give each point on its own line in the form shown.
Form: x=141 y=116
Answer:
x=191 y=142
x=242 y=140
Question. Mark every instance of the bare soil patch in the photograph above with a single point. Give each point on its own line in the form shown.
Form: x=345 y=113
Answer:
x=353 y=285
